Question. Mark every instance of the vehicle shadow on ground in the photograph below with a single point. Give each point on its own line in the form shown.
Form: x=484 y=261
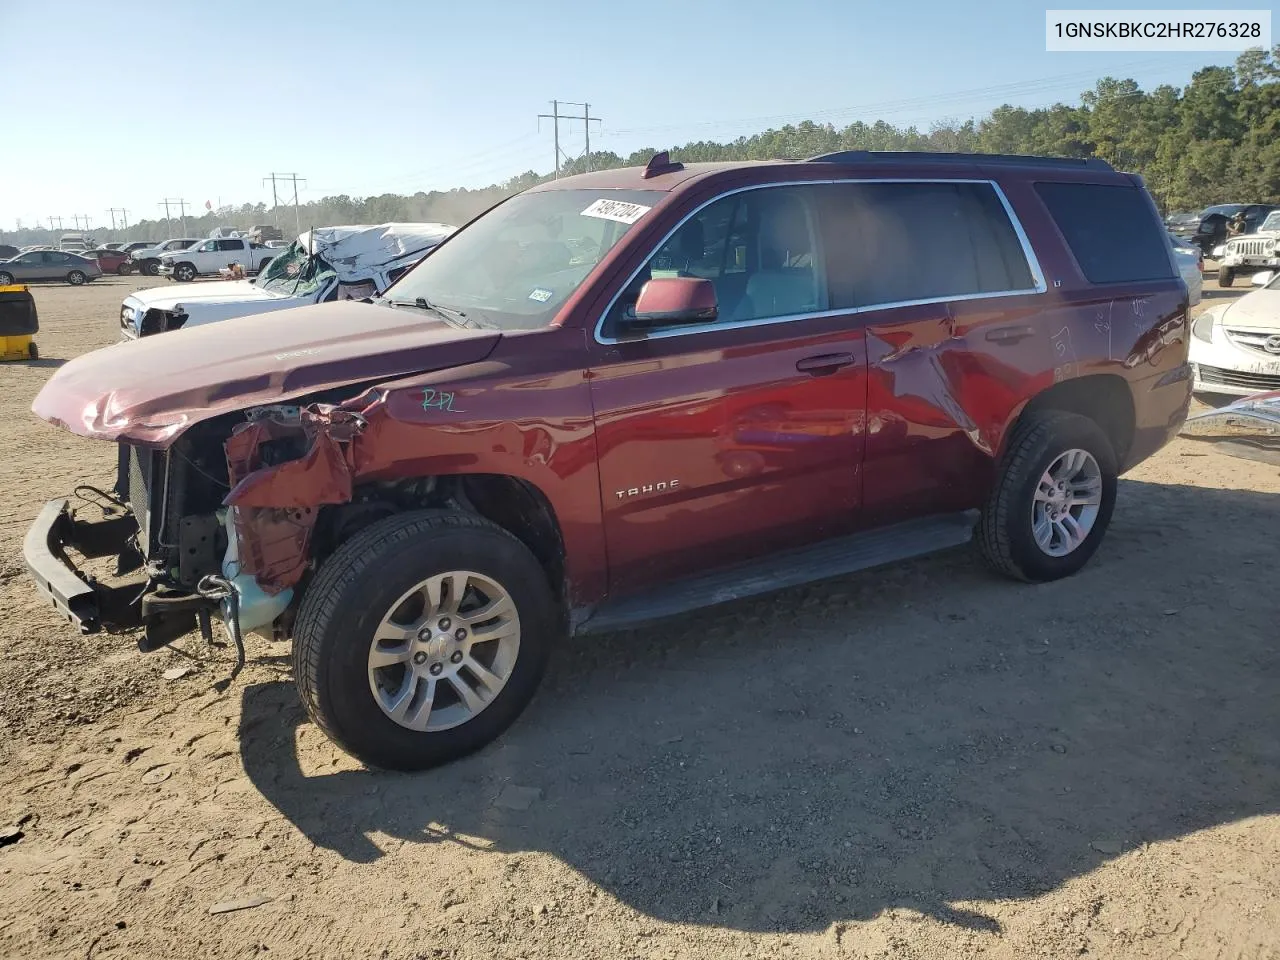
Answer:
x=45 y=362
x=920 y=736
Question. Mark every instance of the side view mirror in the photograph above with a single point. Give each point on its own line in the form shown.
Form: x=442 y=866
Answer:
x=666 y=300
x=1263 y=278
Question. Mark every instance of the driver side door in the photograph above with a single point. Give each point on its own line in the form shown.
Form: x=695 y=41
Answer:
x=740 y=436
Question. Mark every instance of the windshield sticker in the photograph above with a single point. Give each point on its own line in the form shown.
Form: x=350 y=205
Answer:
x=541 y=295
x=618 y=210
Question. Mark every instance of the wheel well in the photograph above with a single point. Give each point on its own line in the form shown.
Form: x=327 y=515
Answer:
x=1104 y=398
x=522 y=509
x=517 y=506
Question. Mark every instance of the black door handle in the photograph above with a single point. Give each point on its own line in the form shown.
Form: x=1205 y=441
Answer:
x=824 y=363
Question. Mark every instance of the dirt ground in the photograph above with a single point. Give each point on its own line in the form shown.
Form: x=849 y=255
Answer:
x=925 y=761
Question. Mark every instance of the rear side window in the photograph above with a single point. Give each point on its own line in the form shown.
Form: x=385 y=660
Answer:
x=1110 y=230
x=902 y=242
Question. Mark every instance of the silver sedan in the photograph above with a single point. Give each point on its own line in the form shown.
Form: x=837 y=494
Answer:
x=48 y=265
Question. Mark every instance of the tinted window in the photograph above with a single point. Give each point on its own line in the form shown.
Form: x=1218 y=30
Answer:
x=899 y=242
x=230 y=245
x=1111 y=230
x=759 y=248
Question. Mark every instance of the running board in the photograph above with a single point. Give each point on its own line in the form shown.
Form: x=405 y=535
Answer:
x=830 y=558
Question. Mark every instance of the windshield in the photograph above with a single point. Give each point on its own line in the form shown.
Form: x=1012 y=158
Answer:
x=295 y=273
x=1272 y=223
x=514 y=267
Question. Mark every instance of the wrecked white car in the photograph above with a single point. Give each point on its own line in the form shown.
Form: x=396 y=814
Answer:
x=1235 y=346
x=328 y=263
x=1248 y=429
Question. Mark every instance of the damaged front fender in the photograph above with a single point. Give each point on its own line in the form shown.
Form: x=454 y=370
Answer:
x=284 y=464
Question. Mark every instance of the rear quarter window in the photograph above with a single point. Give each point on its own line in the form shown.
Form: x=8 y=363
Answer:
x=1111 y=230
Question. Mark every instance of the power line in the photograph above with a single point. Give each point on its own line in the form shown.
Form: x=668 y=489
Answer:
x=890 y=106
x=555 y=116
x=295 y=179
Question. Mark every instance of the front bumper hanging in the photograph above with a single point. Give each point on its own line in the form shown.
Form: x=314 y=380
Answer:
x=81 y=599
x=129 y=601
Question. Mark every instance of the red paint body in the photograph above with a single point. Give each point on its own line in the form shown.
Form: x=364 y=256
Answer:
x=669 y=455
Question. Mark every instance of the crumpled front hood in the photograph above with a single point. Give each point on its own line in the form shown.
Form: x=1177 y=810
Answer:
x=151 y=390
x=1259 y=310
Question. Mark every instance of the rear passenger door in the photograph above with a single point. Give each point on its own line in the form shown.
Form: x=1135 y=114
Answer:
x=921 y=262
x=731 y=439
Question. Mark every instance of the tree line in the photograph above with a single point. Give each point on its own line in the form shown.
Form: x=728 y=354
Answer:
x=1215 y=140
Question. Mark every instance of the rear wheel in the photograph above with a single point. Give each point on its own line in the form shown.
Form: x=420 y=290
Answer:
x=422 y=638
x=151 y=268
x=1053 y=499
x=6 y=279
x=1226 y=276
x=33 y=352
x=124 y=269
x=76 y=278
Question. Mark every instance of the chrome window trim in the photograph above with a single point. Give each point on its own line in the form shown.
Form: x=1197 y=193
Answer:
x=1033 y=263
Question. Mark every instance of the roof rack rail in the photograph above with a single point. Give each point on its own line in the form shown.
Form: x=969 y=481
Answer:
x=913 y=156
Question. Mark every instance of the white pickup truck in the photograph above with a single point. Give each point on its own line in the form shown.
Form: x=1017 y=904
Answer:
x=147 y=259
x=209 y=256
x=329 y=263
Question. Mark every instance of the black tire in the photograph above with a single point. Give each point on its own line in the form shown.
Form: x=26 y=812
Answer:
x=124 y=269
x=1004 y=532
x=77 y=278
x=184 y=272
x=1226 y=276
x=356 y=587
x=6 y=279
x=33 y=352
x=151 y=268
x=263 y=265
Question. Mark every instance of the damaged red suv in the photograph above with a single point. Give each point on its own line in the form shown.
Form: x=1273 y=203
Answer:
x=620 y=396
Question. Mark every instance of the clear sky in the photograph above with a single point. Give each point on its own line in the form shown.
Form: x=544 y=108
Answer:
x=122 y=105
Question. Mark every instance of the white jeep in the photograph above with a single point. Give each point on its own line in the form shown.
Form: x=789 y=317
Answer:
x=1252 y=252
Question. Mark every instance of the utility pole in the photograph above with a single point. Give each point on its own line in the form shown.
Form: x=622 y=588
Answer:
x=124 y=217
x=58 y=227
x=77 y=218
x=275 y=202
x=182 y=212
x=555 y=116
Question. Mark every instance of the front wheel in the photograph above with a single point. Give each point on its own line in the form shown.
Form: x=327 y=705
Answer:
x=124 y=270
x=151 y=268
x=184 y=272
x=422 y=638
x=76 y=278
x=6 y=279
x=1226 y=276
x=1052 y=500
